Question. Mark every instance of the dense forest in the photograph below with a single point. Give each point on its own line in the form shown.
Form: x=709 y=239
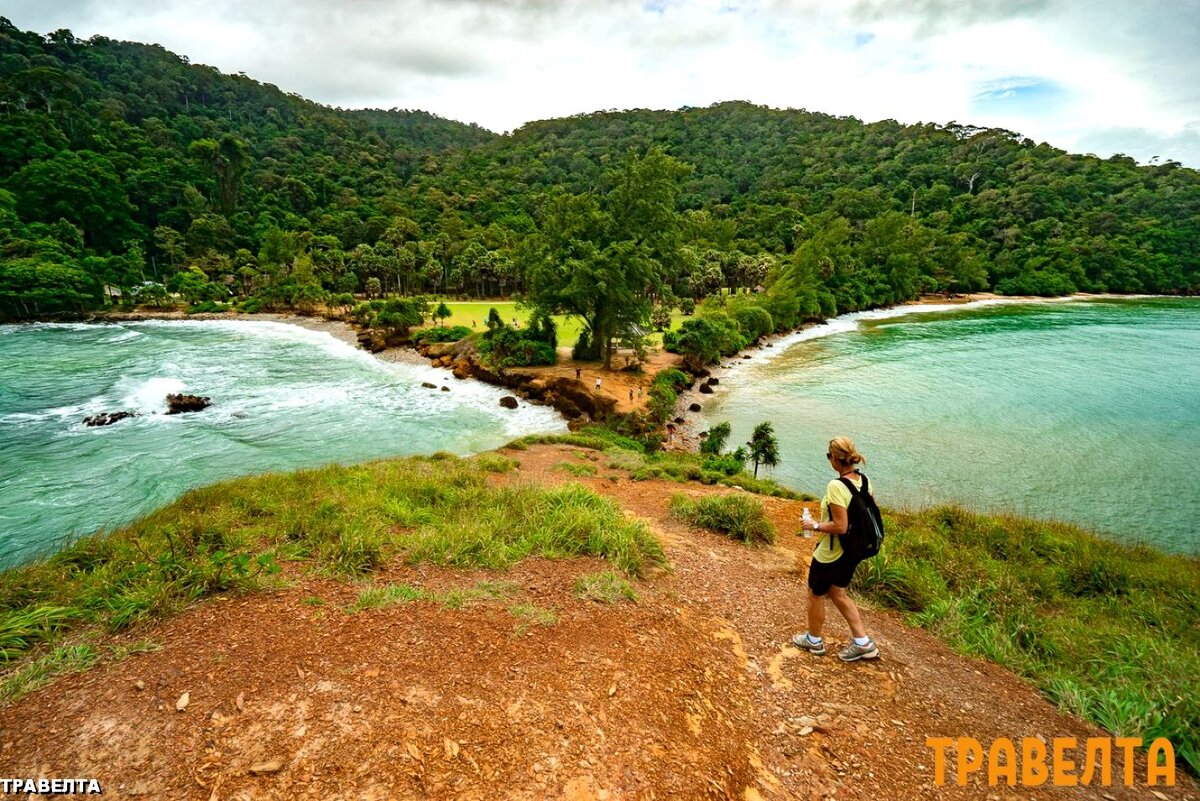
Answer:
x=125 y=170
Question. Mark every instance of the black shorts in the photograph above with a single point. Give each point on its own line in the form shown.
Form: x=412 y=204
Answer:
x=823 y=575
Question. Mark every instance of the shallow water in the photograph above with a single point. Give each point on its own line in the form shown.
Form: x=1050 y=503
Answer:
x=283 y=398
x=1083 y=411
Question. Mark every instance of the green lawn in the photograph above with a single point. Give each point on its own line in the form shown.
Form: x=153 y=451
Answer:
x=475 y=312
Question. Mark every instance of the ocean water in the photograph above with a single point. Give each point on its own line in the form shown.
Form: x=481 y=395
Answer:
x=1081 y=411
x=283 y=398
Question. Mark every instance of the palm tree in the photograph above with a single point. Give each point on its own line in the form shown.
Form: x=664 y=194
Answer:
x=764 y=448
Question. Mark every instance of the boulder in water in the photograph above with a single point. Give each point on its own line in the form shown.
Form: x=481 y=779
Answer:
x=695 y=407
x=705 y=389
x=106 y=418
x=427 y=385
x=178 y=404
x=445 y=389
x=508 y=402
x=714 y=381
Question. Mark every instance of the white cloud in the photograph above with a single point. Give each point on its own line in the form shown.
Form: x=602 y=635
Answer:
x=1083 y=75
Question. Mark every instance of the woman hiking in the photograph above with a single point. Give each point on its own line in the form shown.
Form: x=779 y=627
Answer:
x=831 y=568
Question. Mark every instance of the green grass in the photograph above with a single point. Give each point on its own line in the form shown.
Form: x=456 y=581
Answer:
x=736 y=516
x=495 y=462
x=465 y=313
x=580 y=470
x=1106 y=631
x=388 y=595
x=379 y=597
x=336 y=520
x=529 y=615
x=39 y=672
x=606 y=587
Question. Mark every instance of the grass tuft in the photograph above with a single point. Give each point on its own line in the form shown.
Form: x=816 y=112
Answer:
x=578 y=470
x=735 y=516
x=606 y=587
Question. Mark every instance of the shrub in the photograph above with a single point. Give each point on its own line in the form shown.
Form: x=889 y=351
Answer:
x=735 y=516
x=508 y=347
x=753 y=321
x=452 y=334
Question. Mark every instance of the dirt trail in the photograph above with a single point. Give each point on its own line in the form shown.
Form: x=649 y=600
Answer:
x=689 y=693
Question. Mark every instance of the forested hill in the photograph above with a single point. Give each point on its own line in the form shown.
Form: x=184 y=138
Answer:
x=123 y=164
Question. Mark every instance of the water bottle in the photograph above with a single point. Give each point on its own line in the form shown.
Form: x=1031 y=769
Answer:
x=806 y=516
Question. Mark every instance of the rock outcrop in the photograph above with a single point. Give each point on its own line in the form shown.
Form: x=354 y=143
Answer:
x=106 y=418
x=178 y=404
x=508 y=402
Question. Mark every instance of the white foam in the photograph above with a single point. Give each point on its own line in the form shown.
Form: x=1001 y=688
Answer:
x=150 y=396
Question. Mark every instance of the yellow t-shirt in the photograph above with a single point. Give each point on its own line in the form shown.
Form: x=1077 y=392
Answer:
x=829 y=549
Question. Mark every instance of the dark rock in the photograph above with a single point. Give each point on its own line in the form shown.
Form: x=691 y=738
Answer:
x=679 y=420
x=712 y=382
x=769 y=345
x=508 y=402
x=445 y=389
x=746 y=356
x=106 y=418
x=705 y=389
x=427 y=385
x=695 y=407
x=701 y=373
x=178 y=404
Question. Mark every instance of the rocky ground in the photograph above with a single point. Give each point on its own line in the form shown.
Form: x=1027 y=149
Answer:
x=691 y=692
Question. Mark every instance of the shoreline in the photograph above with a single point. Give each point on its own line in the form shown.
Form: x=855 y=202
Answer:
x=687 y=433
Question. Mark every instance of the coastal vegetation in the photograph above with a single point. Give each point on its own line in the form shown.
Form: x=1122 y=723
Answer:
x=343 y=521
x=1104 y=630
x=129 y=175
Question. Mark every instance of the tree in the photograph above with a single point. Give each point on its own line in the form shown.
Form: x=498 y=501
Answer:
x=660 y=316
x=703 y=340
x=605 y=261
x=764 y=447
x=714 y=443
x=374 y=288
x=441 y=313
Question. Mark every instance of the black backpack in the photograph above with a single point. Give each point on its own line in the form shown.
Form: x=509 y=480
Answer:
x=864 y=532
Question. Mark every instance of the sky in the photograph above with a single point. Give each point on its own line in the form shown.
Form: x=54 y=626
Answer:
x=1088 y=77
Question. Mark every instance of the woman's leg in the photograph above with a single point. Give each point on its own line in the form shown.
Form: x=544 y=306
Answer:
x=845 y=604
x=816 y=613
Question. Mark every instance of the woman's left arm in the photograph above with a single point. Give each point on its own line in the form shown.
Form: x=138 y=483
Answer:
x=840 y=523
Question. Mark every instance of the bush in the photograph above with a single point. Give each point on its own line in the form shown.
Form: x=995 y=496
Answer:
x=753 y=321
x=503 y=346
x=452 y=334
x=735 y=516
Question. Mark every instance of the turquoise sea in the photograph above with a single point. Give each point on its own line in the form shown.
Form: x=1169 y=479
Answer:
x=283 y=398
x=1082 y=411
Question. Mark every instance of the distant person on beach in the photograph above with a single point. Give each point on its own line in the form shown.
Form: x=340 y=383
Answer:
x=597 y=383
x=831 y=568
x=577 y=372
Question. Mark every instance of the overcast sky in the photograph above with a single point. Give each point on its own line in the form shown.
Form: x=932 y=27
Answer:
x=1094 y=77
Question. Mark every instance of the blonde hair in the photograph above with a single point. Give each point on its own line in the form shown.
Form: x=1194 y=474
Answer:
x=843 y=451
